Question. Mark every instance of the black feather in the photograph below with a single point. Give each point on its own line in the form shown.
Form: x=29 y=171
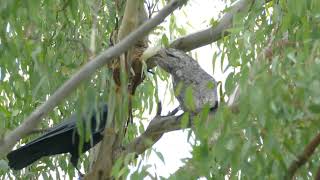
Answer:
x=63 y=138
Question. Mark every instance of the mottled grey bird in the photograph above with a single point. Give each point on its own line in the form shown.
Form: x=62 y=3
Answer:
x=187 y=74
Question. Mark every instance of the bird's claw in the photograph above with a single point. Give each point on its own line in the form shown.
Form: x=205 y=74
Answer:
x=80 y=174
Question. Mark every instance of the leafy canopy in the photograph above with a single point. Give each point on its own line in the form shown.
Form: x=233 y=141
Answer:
x=273 y=51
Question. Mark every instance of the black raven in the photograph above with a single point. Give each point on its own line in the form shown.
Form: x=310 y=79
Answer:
x=63 y=138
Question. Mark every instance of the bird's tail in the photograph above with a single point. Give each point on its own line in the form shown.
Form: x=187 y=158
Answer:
x=23 y=157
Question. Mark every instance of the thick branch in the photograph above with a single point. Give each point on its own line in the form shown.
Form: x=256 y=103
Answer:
x=303 y=158
x=157 y=127
x=204 y=37
x=84 y=73
x=134 y=15
x=102 y=168
x=210 y=35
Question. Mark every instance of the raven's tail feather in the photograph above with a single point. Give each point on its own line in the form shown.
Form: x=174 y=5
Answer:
x=23 y=157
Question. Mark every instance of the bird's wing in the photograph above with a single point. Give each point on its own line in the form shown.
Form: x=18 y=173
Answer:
x=57 y=140
x=65 y=126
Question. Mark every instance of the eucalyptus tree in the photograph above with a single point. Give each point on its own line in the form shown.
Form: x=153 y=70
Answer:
x=61 y=57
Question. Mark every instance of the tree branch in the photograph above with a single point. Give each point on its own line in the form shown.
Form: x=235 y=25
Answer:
x=7 y=143
x=185 y=70
x=157 y=127
x=206 y=36
x=303 y=158
x=102 y=168
x=161 y=125
x=210 y=35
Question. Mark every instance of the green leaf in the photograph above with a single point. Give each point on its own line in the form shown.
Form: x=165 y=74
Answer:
x=160 y=156
x=165 y=40
x=315 y=108
x=188 y=100
x=185 y=120
x=230 y=83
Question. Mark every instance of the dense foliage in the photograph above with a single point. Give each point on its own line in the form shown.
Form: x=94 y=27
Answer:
x=273 y=51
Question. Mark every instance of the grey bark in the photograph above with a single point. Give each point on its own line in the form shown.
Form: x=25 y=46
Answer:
x=212 y=34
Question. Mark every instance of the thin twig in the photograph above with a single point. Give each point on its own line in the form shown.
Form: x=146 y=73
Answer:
x=159 y=109
x=174 y=111
x=303 y=157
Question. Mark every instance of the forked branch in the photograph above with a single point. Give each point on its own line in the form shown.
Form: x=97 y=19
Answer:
x=31 y=122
